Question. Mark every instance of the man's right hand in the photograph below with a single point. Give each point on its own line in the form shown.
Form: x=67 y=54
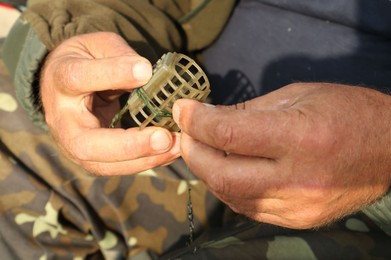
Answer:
x=80 y=84
x=300 y=157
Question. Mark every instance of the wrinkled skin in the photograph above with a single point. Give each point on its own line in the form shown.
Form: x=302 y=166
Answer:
x=80 y=84
x=299 y=157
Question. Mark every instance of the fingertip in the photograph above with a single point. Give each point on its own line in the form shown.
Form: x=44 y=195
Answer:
x=142 y=71
x=182 y=110
x=176 y=144
x=161 y=141
x=188 y=145
x=176 y=112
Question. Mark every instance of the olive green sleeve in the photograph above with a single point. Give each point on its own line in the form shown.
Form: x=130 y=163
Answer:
x=150 y=27
x=380 y=212
x=23 y=54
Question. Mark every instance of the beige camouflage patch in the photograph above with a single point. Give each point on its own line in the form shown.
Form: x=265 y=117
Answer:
x=356 y=225
x=89 y=237
x=109 y=241
x=107 y=244
x=149 y=172
x=182 y=186
x=132 y=241
x=7 y=102
x=46 y=223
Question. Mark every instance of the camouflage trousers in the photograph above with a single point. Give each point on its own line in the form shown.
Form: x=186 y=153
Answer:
x=51 y=209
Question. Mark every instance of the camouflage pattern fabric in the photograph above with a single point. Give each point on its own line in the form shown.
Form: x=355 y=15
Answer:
x=52 y=209
x=355 y=237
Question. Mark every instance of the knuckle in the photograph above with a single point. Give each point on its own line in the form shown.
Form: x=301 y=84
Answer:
x=320 y=194
x=313 y=218
x=218 y=184
x=106 y=169
x=68 y=76
x=111 y=36
x=326 y=137
x=96 y=169
x=224 y=135
x=237 y=209
x=319 y=138
x=310 y=217
x=245 y=208
x=73 y=76
x=78 y=149
x=150 y=162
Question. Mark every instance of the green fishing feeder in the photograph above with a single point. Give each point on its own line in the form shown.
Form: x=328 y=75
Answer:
x=174 y=76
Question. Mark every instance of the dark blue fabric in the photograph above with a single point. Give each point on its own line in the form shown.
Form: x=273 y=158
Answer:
x=270 y=43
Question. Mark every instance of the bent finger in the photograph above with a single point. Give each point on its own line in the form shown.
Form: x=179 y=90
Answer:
x=129 y=167
x=233 y=175
x=263 y=133
x=115 y=145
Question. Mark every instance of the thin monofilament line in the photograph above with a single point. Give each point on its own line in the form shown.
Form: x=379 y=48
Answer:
x=118 y=116
x=190 y=215
x=156 y=111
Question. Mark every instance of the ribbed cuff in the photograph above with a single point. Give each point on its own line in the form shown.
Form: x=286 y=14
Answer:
x=23 y=54
x=380 y=212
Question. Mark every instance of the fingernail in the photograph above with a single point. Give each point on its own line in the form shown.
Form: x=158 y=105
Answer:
x=142 y=71
x=160 y=141
x=208 y=105
x=176 y=147
x=176 y=113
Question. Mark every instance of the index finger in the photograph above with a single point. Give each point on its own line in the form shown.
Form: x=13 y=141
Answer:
x=262 y=133
x=97 y=62
x=80 y=75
